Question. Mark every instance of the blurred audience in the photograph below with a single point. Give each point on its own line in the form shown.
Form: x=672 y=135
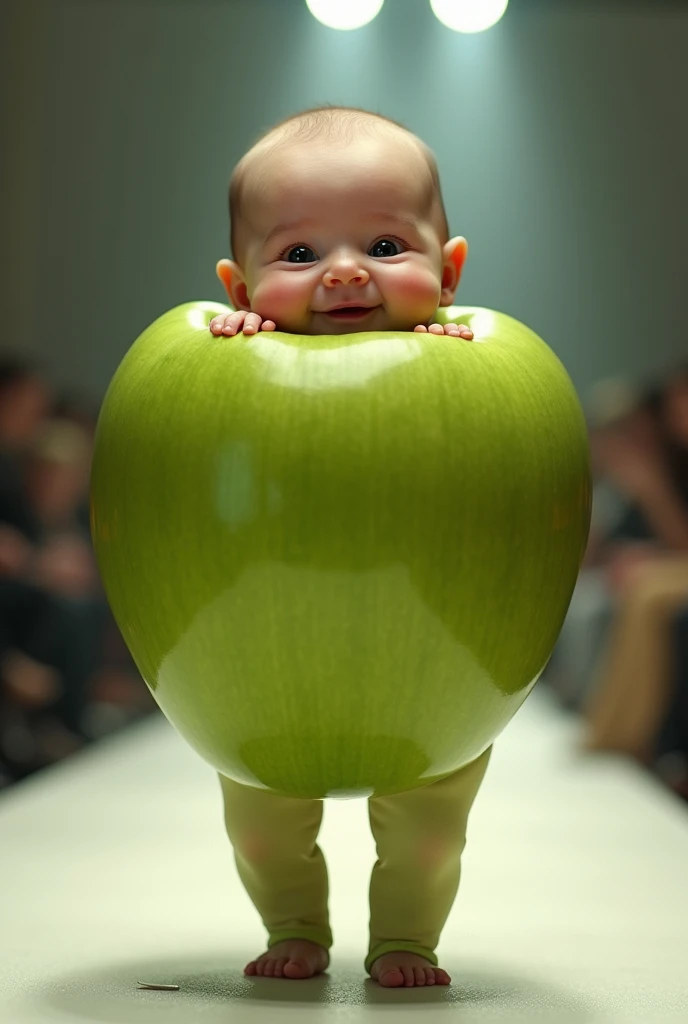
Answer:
x=65 y=676
x=621 y=658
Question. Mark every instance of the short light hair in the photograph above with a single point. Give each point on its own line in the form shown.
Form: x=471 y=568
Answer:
x=337 y=125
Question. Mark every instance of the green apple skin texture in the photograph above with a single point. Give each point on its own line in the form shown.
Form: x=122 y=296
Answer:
x=342 y=562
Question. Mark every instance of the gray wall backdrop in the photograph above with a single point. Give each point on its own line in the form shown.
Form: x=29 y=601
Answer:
x=561 y=136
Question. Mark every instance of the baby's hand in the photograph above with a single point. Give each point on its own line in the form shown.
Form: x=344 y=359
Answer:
x=452 y=330
x=233 y=323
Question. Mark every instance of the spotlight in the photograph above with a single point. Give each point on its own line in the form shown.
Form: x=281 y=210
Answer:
x=345 y=14
x=468 y=15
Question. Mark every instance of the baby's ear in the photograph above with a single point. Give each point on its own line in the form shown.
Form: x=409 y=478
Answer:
x=453 y=258
x=234 y=284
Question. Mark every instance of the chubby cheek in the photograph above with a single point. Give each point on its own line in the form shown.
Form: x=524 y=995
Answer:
x=284 y=298
x=411 y=294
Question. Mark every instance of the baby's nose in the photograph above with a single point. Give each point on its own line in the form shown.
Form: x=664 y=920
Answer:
x=345 y=271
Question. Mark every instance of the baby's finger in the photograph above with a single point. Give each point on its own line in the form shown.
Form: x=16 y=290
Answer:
x=420 y=329
x=252 y=323
x=233 y=322
x=436 y=329
x=217 y=323
x=458 y=331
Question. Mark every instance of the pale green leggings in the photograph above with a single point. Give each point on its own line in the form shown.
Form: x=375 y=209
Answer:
x=419 y=835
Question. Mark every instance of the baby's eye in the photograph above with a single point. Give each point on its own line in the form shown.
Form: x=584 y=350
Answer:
x=386 y=247
x=299 y=254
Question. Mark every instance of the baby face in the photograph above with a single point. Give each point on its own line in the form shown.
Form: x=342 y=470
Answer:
x=342 y=239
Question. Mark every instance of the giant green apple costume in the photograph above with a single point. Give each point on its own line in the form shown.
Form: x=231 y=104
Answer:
x=340 y=563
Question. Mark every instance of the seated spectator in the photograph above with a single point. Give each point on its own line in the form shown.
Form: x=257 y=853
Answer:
x=66 y=676
x=51 y=607
x=24 y=404
x=25 y=401
x=620 y=418
x=633 y=687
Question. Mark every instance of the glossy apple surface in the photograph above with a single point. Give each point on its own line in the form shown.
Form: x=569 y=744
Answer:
x=340 y=563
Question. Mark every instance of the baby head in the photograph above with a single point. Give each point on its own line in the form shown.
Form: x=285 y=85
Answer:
x=338 y=225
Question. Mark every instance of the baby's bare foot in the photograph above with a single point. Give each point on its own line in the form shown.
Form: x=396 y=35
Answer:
x=406 y=970
x=293 y=958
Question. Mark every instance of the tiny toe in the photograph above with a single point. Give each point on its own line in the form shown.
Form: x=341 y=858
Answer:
x=419 y=973
x=441 y=977
x=296 y=968
x=251 y=969
x=391 y=978
x=409 y=979
x=429 y=976
x=280 y=965
x=269 y=969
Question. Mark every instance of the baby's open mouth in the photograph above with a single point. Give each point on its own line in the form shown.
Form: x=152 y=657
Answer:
x=350 y=312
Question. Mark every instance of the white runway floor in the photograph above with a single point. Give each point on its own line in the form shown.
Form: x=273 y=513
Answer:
x=115 y=870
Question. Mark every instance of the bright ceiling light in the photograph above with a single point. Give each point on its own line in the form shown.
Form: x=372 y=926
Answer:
x=344 y=14
x=469 y=15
